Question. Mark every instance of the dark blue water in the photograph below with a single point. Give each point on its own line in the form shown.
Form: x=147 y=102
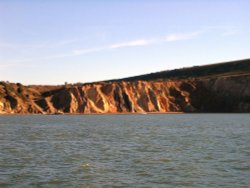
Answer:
x=186 y=150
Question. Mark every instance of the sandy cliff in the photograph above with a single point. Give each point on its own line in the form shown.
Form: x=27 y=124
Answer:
x=223 y=93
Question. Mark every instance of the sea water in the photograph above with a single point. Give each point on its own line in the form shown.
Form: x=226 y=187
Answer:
x=157 y=150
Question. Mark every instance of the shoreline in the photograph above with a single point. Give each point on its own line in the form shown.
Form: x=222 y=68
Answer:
x=121 y=113
x=111 y=113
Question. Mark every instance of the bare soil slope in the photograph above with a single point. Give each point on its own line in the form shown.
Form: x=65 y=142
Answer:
x=223 y=87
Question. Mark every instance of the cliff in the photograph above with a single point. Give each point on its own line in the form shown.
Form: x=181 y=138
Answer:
x=213 y=88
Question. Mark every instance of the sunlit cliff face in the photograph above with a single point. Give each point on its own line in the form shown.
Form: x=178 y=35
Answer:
x=128 y=97
x=224 y=94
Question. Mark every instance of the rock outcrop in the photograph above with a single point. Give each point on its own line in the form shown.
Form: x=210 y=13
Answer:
x=217 y=93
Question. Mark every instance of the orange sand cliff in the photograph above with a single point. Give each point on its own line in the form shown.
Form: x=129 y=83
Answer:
x=224 y=93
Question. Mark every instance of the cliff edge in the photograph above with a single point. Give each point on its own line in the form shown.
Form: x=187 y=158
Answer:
x=223 y=87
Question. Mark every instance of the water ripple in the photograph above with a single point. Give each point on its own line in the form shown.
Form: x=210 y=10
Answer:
x=193 y=150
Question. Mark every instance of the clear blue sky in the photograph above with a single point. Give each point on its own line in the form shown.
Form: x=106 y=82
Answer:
x=53 y=41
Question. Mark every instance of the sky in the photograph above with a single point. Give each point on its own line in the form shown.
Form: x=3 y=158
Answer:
x=57 y=41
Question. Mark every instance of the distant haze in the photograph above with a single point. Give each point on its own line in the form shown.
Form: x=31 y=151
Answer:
x=50 y=42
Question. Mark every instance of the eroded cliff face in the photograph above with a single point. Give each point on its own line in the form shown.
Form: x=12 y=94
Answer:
x=222 y=94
